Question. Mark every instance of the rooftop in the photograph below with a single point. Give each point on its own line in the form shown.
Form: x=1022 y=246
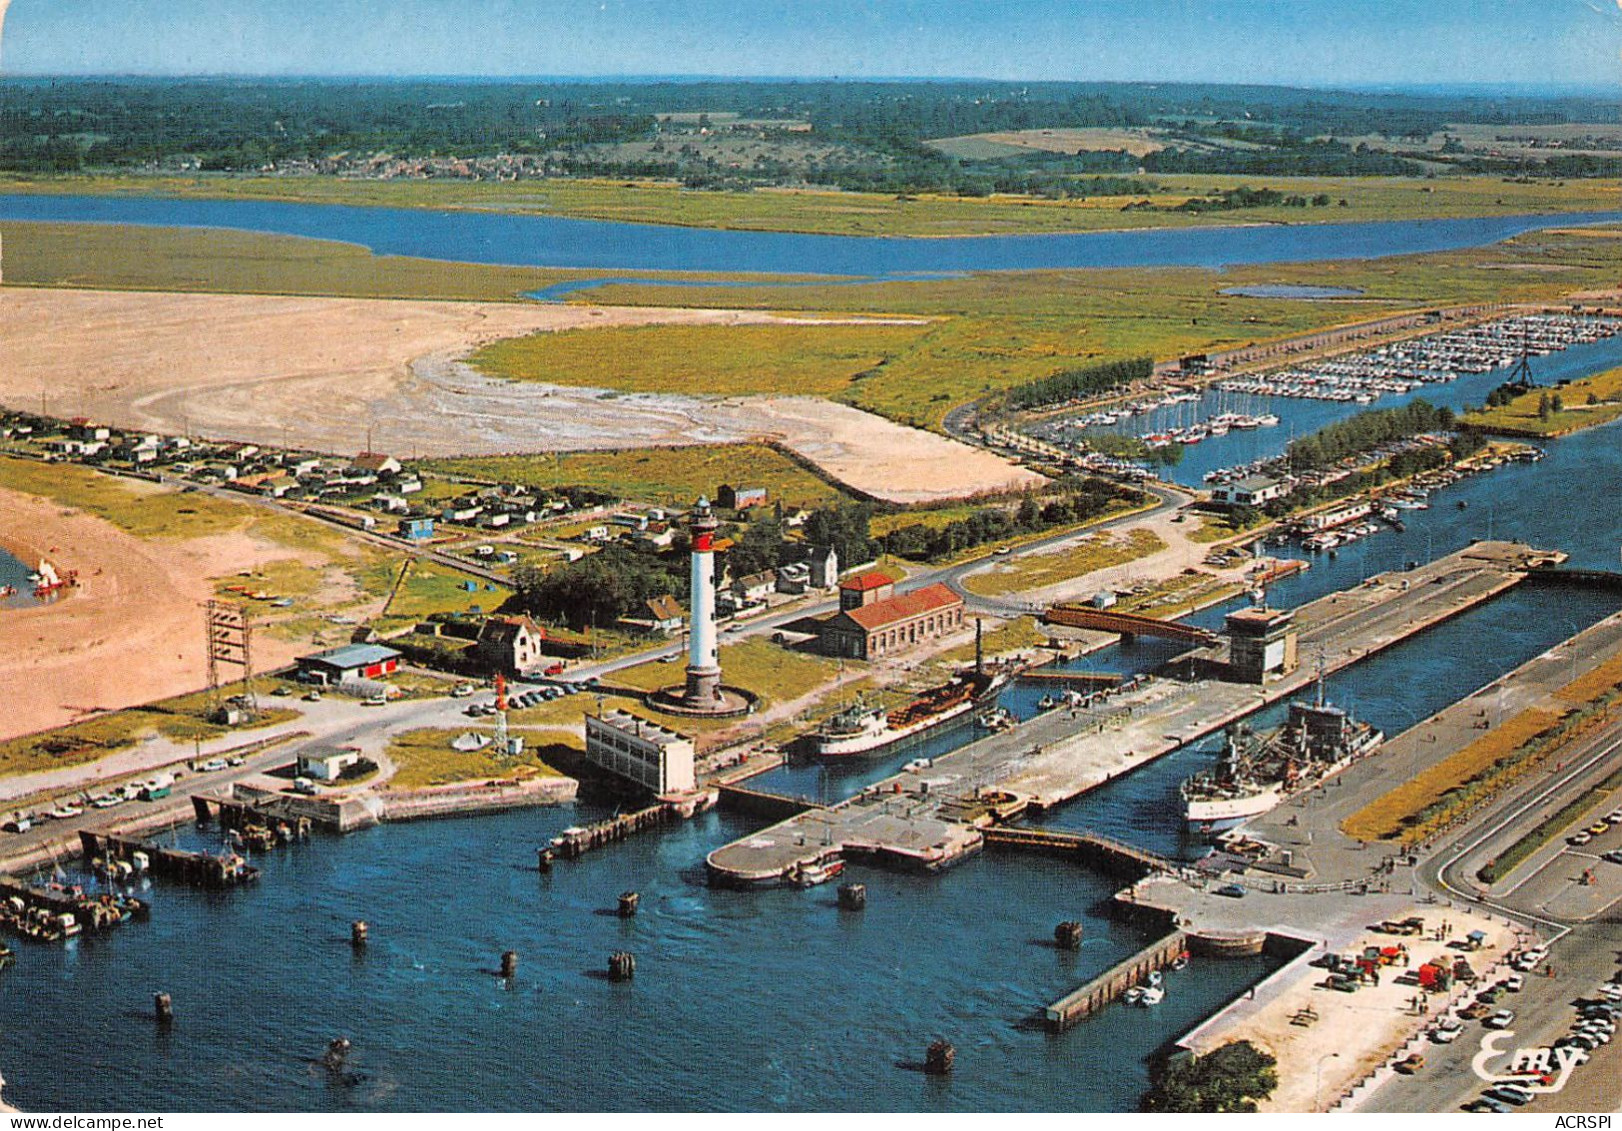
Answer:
x=645 y=729
x=355 y=655
x=862 y=582
x=904 y=606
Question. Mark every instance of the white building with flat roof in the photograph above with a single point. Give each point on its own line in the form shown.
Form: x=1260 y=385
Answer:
x=641 y=751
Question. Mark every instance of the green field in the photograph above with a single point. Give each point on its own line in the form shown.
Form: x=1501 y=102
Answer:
x=671 y=475
x=997 y=329
x=129 y=257
x=850 y=213
x=703 y=360
x=1521 y=416
x=425 y=758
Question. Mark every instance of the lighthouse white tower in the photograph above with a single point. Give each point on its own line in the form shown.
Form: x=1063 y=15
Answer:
x=703 y=690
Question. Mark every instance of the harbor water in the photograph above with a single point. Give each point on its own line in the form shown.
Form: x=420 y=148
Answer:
x=771 y=1000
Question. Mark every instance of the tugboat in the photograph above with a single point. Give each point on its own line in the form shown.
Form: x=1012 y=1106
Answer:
x=1259 y=771
x=820 y=872
x=865 y=730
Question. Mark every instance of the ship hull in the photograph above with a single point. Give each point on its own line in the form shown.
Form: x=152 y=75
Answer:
x=890 y=738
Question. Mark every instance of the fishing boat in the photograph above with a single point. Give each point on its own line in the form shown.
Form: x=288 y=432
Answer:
x=1152 y=996
x=864 y=730
x=810 y=875
x=1133 y=995
x=1257 y=772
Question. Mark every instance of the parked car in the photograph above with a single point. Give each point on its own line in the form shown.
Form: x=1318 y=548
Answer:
x=1410 y=1064
x=312 y=696
x=1510 y=1094
x=1232 y=891
x=212 y=766
x=18 y=825
x=1614 y=856
x=1598 y=828
x=1503 y=1019
x=1515 y=983
x=1578 y=839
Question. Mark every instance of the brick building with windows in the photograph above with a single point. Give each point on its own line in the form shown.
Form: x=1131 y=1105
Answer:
x=890 y=624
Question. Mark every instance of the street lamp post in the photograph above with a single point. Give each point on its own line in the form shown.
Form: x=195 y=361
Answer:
x=1318 y=1086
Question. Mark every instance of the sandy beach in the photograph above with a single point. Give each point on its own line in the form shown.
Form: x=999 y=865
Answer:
x=130 y=633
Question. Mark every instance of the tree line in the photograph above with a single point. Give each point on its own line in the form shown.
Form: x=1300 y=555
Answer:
x=1086 y=381
x=1364 y=432
x=1077 y=501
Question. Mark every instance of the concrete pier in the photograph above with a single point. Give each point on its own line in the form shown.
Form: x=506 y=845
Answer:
x=933 y=815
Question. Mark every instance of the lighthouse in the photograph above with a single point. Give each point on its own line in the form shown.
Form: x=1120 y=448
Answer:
x=703 y=692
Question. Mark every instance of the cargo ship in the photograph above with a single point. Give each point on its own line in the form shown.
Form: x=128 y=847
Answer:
x=1258 y=772
x=862 y=729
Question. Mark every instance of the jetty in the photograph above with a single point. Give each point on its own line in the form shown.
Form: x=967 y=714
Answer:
x=935 y=812
x=198 y=869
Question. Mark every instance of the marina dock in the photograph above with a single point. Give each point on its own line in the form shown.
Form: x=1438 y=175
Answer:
x=932 y=815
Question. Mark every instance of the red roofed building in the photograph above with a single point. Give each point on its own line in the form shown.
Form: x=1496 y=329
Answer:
x=864 y=589
x=891 y=624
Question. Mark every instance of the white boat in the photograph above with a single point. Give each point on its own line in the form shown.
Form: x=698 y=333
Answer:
x=870 y=730
x=1153 y=995
x=1133 y=995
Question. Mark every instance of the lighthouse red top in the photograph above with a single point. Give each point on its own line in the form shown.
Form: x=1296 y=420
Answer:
x=701 y=525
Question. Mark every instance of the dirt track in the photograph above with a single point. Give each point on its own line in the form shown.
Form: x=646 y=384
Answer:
x=320 y=372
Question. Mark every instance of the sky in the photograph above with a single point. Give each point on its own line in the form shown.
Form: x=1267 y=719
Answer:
x=1296 y=42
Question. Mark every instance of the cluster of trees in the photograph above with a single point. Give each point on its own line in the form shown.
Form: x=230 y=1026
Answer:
x=1324 y=157
x=1086 y=381
x=1364 y=432
x=1227 y=1079
x=1402 y=465
x=1225 y=200
x=599 y=588
x=1077 y=501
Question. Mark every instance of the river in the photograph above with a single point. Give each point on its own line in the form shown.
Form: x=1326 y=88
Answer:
x=550 y=241
x=742 y=1000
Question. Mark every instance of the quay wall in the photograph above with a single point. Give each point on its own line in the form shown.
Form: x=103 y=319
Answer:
x=759 y=803
x=412 y=805
x=1114 y=982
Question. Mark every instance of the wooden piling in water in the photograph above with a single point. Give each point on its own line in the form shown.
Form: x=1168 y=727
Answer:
x=509 y=963
x=358 y=931
x=628 y=904
x=163 y=1009
x=852 y=897
x=621 y=966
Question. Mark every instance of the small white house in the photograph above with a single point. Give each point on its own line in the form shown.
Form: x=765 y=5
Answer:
x=326 y=763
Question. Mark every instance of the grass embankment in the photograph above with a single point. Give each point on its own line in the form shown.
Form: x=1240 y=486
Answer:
x=873 y=214
x=1521 y=416
x=772 y=672
x=675 y=476
x=183 y=718
x=425 y=758
x=1038 y=570
x=815 y=360
x=128 y=257
x=1421 y=807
